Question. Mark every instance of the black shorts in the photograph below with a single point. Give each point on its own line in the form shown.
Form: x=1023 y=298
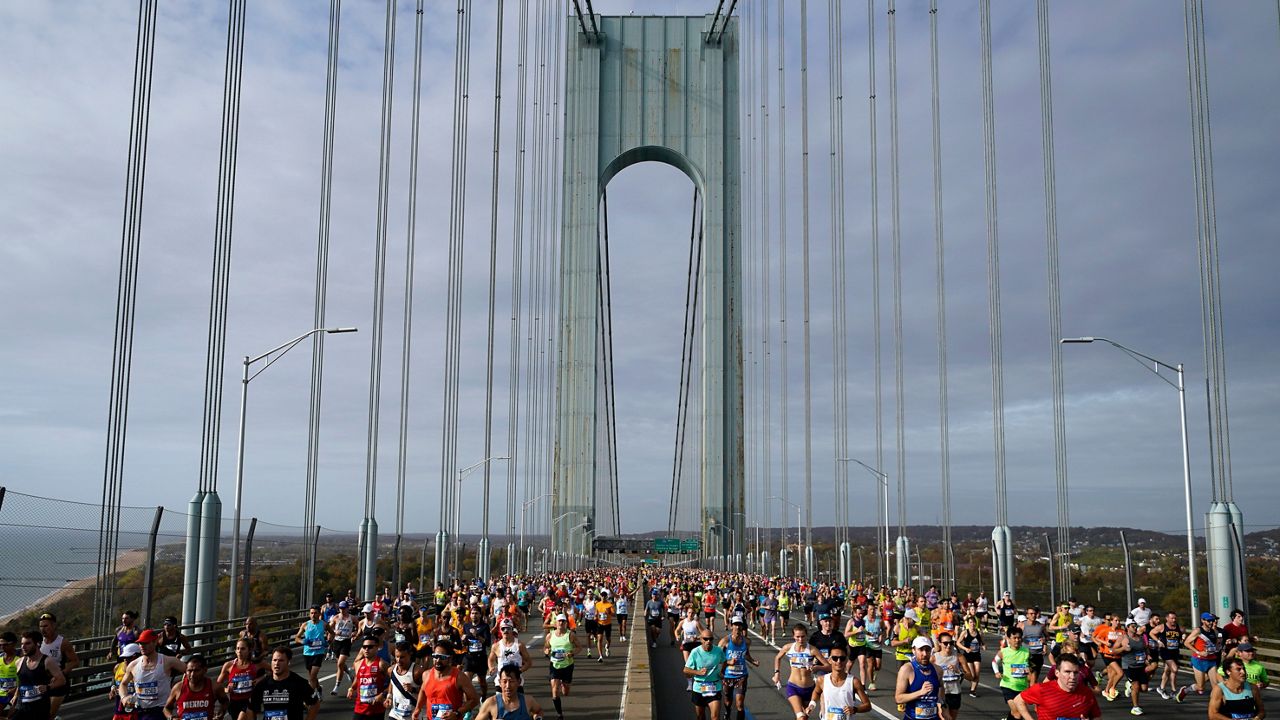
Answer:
x=735 y=686
x=1035 y=663
x=700 y=700
x=1111 y=661
x=973 y=657
x=564 y=674
x=1167 y=655
x=310 y=661
x=951 y=701
x=476 y=663
x=856 y=650
x=1009 y=694
x=606 y=630
x=873 y=653
x=653 y=622
x=342 y=647
x=708 y=615
x=593 y=627
x=689 y=646
x=235 y=707
x=1136 y=675
x=622 y=617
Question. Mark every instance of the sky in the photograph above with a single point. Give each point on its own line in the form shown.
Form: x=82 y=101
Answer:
x=1126 y=219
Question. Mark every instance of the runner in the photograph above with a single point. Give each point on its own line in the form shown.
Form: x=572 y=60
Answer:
x=127 y=633
x=953 y=670
x=560 y=647
x=826 y=639
x=1205 y=644
x=654 y=609
x=283 y=694
x=1011 y=666
x=971 y=643
x=1106 y=637
x=195 y=697
x=770 y=617
x=446 y=693
x=129 y=653
x=150 y=674
x=477 y=639
x=1006 y=613
x=9 y=670
x=703 y=667
x=802 y=660
x=251 y=632
x=1067 y=696
x=424 y=627
x=1136 y=663
x=737 y=652
x=314 y=636
x=343 y=628
x=839 y=695
x=405 y=679
x=905 y=633
x=624 y=614
x=1089 y=624
x=510 y=703
x=38 y=675
x=855 y=632
x=605 y=610
x=238 y=677
x=369 y=684
x=874 y=653
x=918 y=687
x=687 y=631
x=1141 y=614
x=1255 y=672
x=59 y=648
x=1234 y=698
x=1170 y=644
x=1033 y=638
x=509 y=651
x=592 y=618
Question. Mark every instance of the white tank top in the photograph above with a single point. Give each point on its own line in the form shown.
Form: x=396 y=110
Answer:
x=835 y=698
x=509 y=655
x=343 y=627
x=402 y=701
x=689 y=630
x=150 y=684
x=53 y=650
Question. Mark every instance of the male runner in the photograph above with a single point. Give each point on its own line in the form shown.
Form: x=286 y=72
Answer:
x=369 y=686
x=59 y=648
x=1012 y=667
x=37 y=674
x=704 y=666
x=1065 y=697
x=839 y=695
x=149 y=676
x=284 y=694
x=510 y=703
x=1205 y=644
x=195 y=697
x=918 y=688
x=737 y=651
x=560 y=647
x=654 y=609
x=343 y=628
x=314 y=636
x=446 y=693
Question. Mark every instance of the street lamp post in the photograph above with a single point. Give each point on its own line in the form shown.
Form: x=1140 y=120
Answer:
x=1181 y=387
x=733 y=539
x=884 y=480
x=245 y=377
x=524 y=510
x=482 y=553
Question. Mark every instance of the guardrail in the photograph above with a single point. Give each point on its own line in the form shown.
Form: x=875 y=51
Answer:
x=215 y=640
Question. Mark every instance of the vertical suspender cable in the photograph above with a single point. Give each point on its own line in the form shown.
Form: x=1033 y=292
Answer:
x=944 y=422
x=695 y=262
x=1055 y=300
x=369 y=526
x=493 y=280
x=836 y=202
x=882 y=490
x=785 y=380
x=751 y=231
x=765 y=517
x=896 y=205
x=517 y=274
x=551 y=417
x=321 y=299
x=611 y=398
x=993 y=264
x=534 y=468
x=804 y=240
x=402 y=455
x=126 y=306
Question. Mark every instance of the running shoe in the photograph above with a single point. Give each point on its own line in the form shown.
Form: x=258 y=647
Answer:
x=871 y=687
x=1161 y=692
x=1181 y=694
x=1135 y=711
x=1128 y=688
x=973 y=694
x=600 y=658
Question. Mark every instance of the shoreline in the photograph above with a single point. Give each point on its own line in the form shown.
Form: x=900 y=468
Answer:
x=127 y=560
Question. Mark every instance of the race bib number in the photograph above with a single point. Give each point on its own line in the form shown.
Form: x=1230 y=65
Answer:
x=277 y=715
x=147 y=690
x=706 y=689
x=926 y=712
x=316 y=644
x=196 y=715
x=475 y=646
x=30 y=693
x=1140 y=658
x=950 y=676
x=558 y=655
x=242 y=684
x=439 y=709
x=7 y=684
x=368 y=692
x=1018 y=670
x=1035 y=643
x=834 y=713
x=424 y=639
x=400 y=637
x=402 y=707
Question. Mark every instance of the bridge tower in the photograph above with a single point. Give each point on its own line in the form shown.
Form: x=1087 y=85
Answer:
x=661 y=89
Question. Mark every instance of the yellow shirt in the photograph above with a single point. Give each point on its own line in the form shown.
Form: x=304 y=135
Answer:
x=605 y=612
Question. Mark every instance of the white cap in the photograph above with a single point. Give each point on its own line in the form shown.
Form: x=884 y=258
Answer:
x=1142 y=601
x=912 y=615
x=562 y=617
x=368 y=608
x=131 y=650
x=920 y=642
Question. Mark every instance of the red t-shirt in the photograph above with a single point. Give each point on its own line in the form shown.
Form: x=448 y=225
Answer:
x=1235 y=632
x=1054 y=703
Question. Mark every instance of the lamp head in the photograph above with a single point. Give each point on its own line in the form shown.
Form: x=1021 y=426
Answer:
x=332 y=331
x=1077 y=340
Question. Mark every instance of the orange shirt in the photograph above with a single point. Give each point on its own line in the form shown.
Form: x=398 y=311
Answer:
x=1104 y=635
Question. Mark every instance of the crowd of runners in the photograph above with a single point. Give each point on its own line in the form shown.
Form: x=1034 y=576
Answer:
x=463 y=651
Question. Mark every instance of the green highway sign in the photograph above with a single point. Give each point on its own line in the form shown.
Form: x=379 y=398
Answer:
x=690 y=545
x=666 y=545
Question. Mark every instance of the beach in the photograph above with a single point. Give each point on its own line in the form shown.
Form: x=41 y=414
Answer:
x=126 y=560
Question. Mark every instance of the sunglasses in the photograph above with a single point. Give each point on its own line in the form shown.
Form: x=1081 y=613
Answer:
x=838 y=658
x=440 y=657
x=369 y=647
x=706 y=639
x=946 y=642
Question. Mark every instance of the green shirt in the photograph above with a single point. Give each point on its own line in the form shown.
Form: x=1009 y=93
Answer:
x=1014 y=669
x=561 y=649
x=1254 y=672
x=713 y=660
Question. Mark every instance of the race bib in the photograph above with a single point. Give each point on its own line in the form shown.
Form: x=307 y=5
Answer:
x=1140 y=658
x=475 y=646
x=197 y=715
x=706 y=689
x=1018 y=670
x=402 y=705
x=277 y=715
x=30 y=693
x=559 y=655
x=950 y=676
x=925 y=712
x=368 y=692
x=439 y=709
x=424 y=639
x=316 y=644
x=7 y=684
x=400 y=637
x=1035 y=643
x=242 y=684
x=147 y=690
x=834 y=713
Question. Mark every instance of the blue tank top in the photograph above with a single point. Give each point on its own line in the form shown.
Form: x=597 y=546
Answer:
x=1238 y=706
x=924 y=707
x=511 y=713
x=736 y=654
x=313 y=642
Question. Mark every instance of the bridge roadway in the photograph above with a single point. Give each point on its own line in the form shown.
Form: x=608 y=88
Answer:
x=597 y=689
x=764 y=702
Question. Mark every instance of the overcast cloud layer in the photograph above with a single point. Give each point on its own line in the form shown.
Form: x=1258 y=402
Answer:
x=1126 y=220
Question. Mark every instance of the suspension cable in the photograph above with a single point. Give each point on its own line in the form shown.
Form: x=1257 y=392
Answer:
x=804 y=242
x=690 y=307
x=611 y=398
x=765 y=517
x=835 y=201
x=321 y=297
x=993 y=263
x=944 y=422
x=517 y=276
x=1055 y=299
x=896 y=205
x=784 y=380
x=882 y=490
x=126 y=307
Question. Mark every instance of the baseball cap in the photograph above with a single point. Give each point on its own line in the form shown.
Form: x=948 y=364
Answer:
x=737 y=620
x=1142 y=601
x=563 y=617
x=920 y=642
x=344 y=604
x=1131 y=623
x=1073 y=628
x=912 y=615
x=1208 y=616
x=131 y=650
x=368 y=608
x=824 y=616
x=147 y=635
x=1245 y=647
